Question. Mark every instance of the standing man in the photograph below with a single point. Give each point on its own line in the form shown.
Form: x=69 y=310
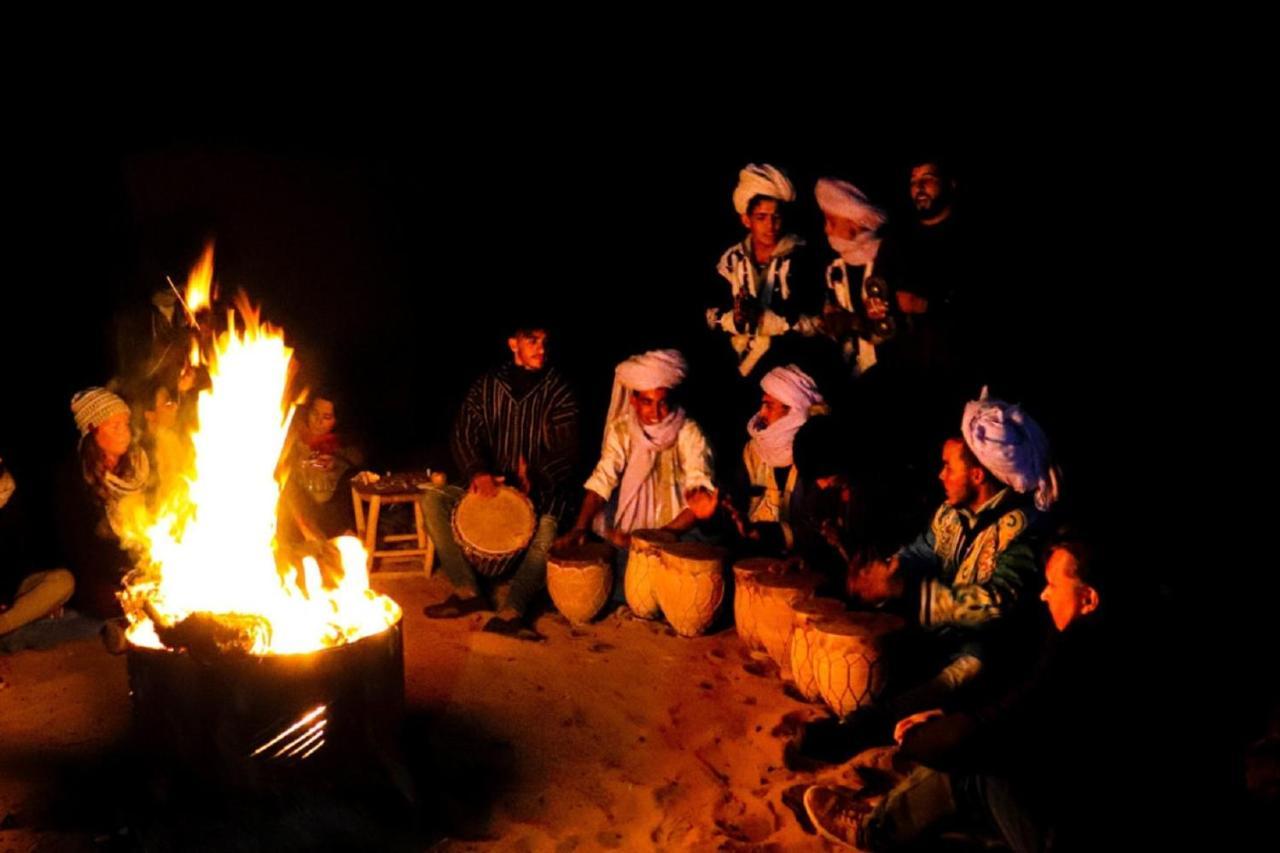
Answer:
x=766 y=273
x=928 y=262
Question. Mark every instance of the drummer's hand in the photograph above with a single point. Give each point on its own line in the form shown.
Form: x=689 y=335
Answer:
x=485 y=485
x=791 y=565
x=875 y=581
x=571 y=539
x=912 y=721
x=619 y=540
x=703 y=502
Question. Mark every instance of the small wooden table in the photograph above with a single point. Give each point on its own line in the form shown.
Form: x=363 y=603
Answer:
x=393 y=489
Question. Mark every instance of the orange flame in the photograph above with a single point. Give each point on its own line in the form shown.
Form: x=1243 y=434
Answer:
x=200 y=282
x=210 y=546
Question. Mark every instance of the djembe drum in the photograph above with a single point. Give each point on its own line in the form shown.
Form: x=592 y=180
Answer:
x=846 y=658
x=801 y=645
x=689 y=585
x=579 y=580
x=745 y=573
x=492 y=532
x=772 y=612
x=643 y=561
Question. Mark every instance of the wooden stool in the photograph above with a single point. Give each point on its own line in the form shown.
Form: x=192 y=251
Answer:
x=391 y=491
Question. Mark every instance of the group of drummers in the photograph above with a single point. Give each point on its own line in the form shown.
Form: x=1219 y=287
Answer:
x=655 y=529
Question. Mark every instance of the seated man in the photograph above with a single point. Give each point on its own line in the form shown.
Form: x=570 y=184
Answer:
x=25 y=596
x=1033 y=762
x=965 y=577
x=655 y=465
x=519 y=425
x=769 y=477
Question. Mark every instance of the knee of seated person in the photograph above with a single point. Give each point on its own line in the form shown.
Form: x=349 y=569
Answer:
x=64 y=582
x=435 y=495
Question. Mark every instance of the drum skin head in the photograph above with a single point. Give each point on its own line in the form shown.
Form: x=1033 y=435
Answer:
x=497 y=525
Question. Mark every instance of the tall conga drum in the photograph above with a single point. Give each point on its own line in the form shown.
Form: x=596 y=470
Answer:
x=801 y=646
x=744 y=577
x=643 y=561
x=690 y=585
x=846 y=658
x=492 y=532
x=579 y=580
x=772 y=612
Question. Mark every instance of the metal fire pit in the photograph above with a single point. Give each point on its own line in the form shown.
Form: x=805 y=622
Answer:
x=240 y=723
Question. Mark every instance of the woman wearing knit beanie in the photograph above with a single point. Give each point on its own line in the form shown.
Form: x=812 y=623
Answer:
x=106 y=480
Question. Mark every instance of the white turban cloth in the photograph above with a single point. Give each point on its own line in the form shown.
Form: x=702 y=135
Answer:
x=841 y=198
x=1011 y=446
x=761 y=179
x=795 y=389
x=665 y=368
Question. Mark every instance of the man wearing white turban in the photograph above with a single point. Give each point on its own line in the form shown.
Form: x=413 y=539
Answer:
x=654 y=464
x=790 y=397
x=857 y=312
x=965 y=577
x=769 y=279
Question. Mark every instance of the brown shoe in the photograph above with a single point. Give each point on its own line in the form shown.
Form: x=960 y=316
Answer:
x=837 y=815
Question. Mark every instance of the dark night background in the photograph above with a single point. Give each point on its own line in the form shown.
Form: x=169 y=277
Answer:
x=393 y=240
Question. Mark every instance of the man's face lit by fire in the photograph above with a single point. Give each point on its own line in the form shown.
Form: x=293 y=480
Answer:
x=652 y=406
x=529 y=349
x=772 y=410
x=165 y=413
x=764 y=221
x=113 y=435
x=321 y=418
x=930 y=191
x=1068 y=597
x=959 y=478
x=841 y=227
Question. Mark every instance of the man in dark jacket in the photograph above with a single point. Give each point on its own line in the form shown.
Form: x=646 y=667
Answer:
x=1030 y=762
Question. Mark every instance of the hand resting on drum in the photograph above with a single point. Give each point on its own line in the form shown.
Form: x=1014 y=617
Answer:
x=485 y=485
x=874 y=581
x=571 y=539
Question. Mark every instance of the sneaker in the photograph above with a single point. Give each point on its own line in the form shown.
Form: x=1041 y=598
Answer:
x=512 y=627
x=455 y=607
x=837 y=814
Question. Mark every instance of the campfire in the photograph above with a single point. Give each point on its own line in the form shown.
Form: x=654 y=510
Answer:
x=210 y=569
